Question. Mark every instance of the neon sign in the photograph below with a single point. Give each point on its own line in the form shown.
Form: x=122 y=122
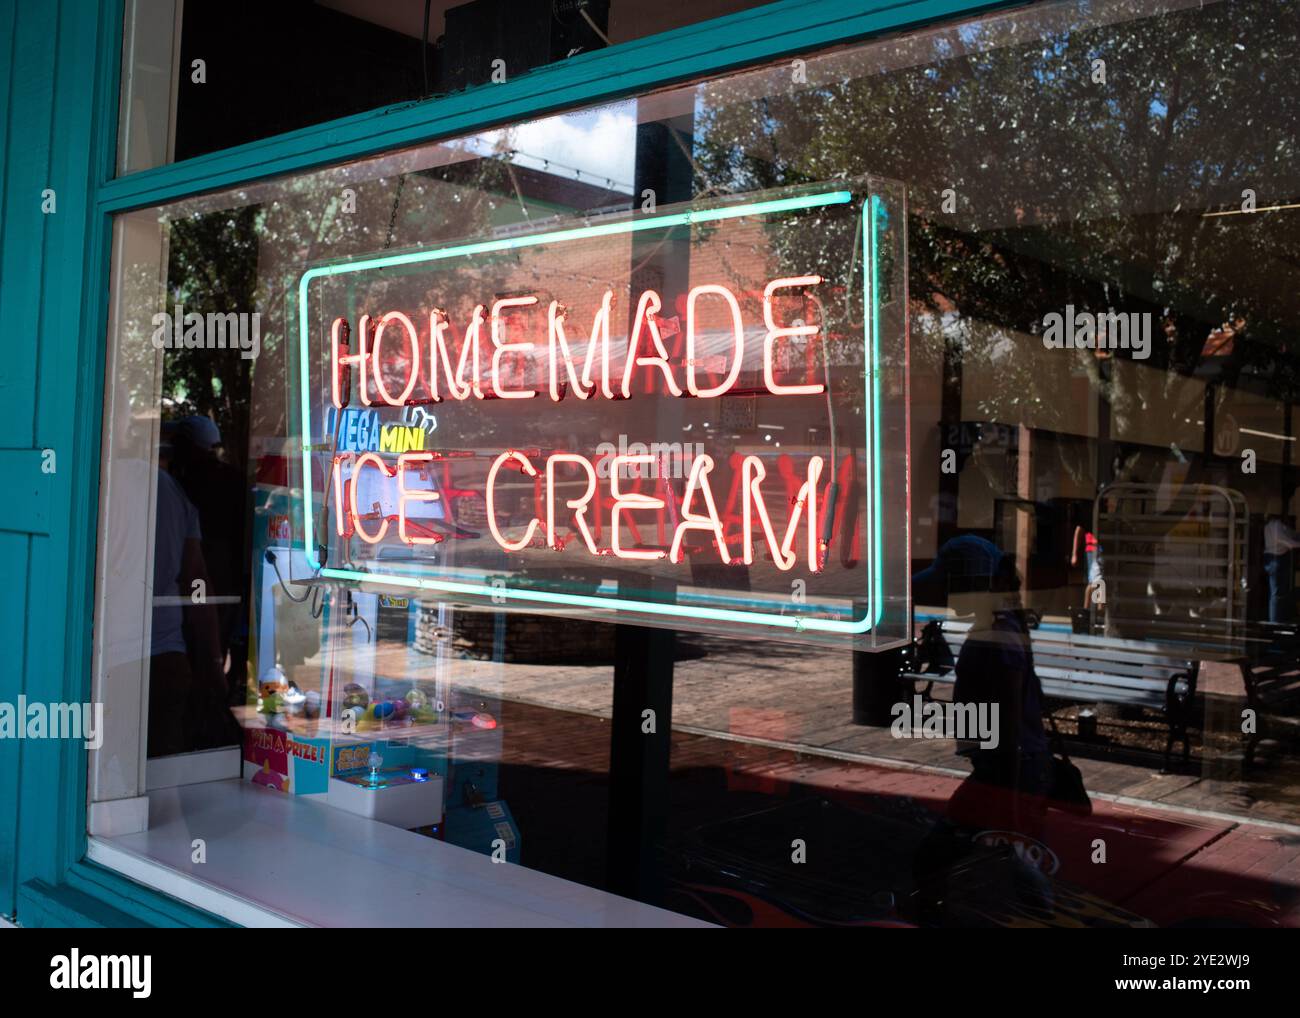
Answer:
x=769 y=337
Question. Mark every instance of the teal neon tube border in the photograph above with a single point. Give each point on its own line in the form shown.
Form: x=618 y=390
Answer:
x=665 y=221
x=871 y=272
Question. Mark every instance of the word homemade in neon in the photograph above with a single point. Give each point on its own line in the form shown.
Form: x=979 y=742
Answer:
x=749 y=330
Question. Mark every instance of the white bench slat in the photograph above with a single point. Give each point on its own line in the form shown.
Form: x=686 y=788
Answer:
x=1079 y=668
x=1145 y=698
x=1156 y=669
x=1085 y=669
x=1048 y=645
x=1063 y=679
x=1107 y=668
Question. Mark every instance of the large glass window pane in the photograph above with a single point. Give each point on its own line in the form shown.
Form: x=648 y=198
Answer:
x=1100 y=236
x=202 y=75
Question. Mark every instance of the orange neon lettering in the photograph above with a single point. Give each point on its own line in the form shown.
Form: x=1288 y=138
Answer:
x=628 y=502
x=646 y=310
x=752 y=473
x=406 y=494
x=699 y=478
x=737 y=346
x=362 y=460
x=579 y=505
x=600 y=329
x=559 y=344
x=380 y=387
x=438 y=354
x=775 y=332
x=340 y=325
x=490 y=498
x=805 y=505
x=502 y=347
x=338 y=497
x=359 y=358
x=471 y=341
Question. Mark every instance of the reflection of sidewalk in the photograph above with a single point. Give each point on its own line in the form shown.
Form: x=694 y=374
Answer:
x=799 y=699
x=1165 y=866
x=773 y=719
x=1162 y=865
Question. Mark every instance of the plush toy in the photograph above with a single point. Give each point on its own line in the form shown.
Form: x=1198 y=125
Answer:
x=272 y=687
x=295 y=700
x=416 y=700
x=311 y=706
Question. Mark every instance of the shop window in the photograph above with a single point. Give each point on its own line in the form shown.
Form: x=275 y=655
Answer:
x=200 y=76
x=1122 y=508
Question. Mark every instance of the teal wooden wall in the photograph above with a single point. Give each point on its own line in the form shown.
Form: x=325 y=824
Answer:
x=48 y=57
x=58 y=65
x=59 y=62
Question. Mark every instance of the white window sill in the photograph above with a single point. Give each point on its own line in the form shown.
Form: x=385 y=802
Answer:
x=274 y=861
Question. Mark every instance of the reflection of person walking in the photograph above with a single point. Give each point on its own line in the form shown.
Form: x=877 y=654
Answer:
x=1010 y=780
x=1092 y=549
x=1279 y=541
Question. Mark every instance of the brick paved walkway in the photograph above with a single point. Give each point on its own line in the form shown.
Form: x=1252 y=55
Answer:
x=752 y=722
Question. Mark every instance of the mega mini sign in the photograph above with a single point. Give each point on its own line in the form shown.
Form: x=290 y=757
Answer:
x=695 y=417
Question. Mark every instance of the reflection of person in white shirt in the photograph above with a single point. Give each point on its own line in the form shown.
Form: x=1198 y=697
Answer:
x=1279 y=541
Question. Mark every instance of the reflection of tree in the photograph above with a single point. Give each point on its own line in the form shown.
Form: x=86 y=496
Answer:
x=213 y=382
x=1067 y=190
x=248 y=257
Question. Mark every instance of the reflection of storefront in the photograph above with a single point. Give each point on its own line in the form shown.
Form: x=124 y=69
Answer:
x=608 y=438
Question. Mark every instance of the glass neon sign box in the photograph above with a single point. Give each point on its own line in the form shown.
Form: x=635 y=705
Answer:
x=695 y=417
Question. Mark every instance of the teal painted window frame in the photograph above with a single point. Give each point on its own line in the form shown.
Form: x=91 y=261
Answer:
x=67 y=890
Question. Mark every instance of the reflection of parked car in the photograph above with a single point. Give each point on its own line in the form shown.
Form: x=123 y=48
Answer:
x=899 y=866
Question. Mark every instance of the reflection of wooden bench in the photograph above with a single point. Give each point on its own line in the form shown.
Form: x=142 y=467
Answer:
x=1271 y=676
x=1078 y=669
